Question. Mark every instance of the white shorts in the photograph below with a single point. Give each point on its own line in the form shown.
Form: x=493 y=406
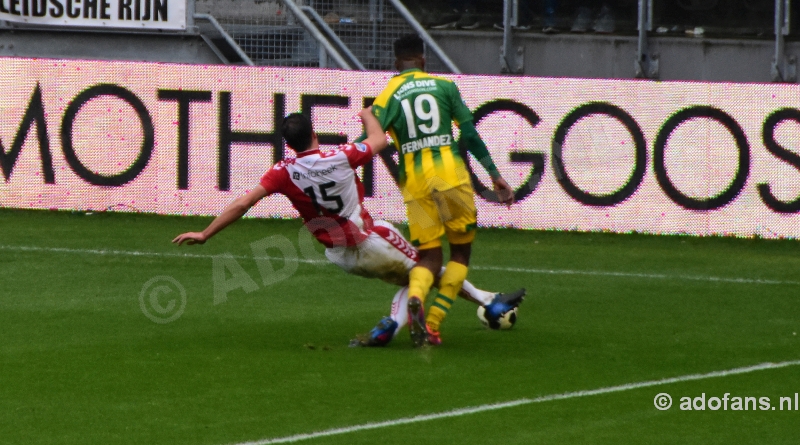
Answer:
x=385 y=254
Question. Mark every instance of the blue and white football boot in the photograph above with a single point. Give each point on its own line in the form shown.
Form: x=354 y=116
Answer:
x=380 y=335
x=502 y=303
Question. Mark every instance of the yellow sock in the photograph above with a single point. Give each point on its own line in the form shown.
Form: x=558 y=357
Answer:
x=449 y=286
x=420 y=282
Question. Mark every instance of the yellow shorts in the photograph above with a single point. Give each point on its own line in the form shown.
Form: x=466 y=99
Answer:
x=451 y=212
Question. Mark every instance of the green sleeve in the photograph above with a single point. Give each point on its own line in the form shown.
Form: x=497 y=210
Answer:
x=469 y=135
x=475 y=145
x=461 y=112
x=384 y=115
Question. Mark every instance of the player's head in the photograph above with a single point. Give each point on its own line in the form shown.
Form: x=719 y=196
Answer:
x=409 y=52
x=298 y=132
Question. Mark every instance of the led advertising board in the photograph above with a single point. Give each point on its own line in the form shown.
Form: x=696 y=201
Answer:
x=613 y=155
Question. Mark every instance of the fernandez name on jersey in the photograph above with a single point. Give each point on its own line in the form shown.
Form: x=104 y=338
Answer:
x=437 y=140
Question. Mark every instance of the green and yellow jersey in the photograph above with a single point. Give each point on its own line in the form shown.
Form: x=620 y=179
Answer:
x=418 y=111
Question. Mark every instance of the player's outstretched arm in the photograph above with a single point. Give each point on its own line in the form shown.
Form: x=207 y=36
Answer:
x=376 y=137
x=232 y=212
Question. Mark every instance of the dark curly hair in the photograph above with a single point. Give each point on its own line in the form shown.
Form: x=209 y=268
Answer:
x=409 y=46
x=297 y=131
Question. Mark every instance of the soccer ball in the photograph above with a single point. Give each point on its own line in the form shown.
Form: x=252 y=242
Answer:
x=506 y=321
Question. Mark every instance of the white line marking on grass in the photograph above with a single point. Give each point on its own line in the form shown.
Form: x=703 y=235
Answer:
x=636 y=275
x=599 y=273
x=139 y=253
x=496 y=406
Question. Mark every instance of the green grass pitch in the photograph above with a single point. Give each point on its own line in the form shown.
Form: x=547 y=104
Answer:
x=80 y=363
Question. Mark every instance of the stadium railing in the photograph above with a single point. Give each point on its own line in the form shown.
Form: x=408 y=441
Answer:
x=334 y=33
x=694 y=18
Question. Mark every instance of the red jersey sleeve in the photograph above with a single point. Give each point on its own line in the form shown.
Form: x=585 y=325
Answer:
x=358 y=153
x=274 y=180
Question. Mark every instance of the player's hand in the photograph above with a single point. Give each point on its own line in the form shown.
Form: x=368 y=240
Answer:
x=505 y=194
x=190 y=238
x=364 y=112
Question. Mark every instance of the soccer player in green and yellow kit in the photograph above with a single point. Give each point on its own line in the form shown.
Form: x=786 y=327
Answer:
x=418 y=110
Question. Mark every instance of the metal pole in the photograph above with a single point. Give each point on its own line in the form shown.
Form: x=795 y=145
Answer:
x=515 y=13
x=779 y=40
x=784 y=68
x=316 y=34
x=646 y=64
x=332 y=34
x=510 y=57
x=403 y=11
x=372 y=53
x=641 y=48
x=323 y=56
x=507 y=36
x=190 y=26
x=226 y=36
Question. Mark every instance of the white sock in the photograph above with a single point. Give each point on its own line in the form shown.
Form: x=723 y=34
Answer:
x=479 y=295
x=399 y=311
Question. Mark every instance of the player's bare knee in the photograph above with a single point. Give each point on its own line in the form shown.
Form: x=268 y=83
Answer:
x=460 y=253
x=431 y=259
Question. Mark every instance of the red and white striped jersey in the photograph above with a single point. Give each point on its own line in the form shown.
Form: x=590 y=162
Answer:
x=324 y=188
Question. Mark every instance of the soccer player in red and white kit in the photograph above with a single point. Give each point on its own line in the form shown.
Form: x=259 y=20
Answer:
x=325 y=190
